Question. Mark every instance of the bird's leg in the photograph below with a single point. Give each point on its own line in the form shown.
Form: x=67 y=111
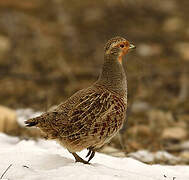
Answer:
x=79 y=159
x=91 y=156
x=88 y=154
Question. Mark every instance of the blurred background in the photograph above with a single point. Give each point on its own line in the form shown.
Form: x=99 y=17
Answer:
x=51 y=49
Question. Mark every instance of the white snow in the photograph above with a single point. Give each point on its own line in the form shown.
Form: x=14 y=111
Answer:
x=47 y=160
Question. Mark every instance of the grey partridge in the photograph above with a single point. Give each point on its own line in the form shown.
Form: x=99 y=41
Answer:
x=92 y=116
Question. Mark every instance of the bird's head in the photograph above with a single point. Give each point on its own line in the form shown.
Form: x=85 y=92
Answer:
x=118 y=47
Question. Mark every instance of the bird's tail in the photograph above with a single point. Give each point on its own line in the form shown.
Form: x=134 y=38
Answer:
x=32 y=122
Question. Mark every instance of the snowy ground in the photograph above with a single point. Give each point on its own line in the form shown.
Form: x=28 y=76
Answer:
x=47 y=160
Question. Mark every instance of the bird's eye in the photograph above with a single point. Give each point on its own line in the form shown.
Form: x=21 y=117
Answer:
x=122 y=45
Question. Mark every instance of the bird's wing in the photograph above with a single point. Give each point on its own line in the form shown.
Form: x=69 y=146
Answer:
x=82 y=113
x=89 y=109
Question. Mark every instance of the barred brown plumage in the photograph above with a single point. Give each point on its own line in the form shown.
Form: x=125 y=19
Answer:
x=92 y=116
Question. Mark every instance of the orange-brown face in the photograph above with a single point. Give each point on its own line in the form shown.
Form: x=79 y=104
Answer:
x=124 y=48
x=119 y=46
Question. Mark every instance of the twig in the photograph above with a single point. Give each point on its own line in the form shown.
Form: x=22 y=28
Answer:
x=5 y=171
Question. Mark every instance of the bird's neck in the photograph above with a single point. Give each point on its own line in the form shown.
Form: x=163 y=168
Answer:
x=113 y=75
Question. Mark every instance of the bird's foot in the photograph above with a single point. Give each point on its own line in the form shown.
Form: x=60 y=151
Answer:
x=91 y=154
x=79 y=159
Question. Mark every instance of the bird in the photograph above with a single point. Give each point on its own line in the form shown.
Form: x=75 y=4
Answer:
x=92 y=116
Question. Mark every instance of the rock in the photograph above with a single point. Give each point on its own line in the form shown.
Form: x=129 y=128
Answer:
x=173 y=24
x=167 y=5
x=184 y=118
x=139 y=106
x=184 y=146
x=141 y=130
x=149 y=49
x=112 y=151
x=159 y=118
x=4 y=44
x=183 y=49
x=133 y=146
x=8 y=123
x=187 y=32
x=163 y=156
x=142 y=155
x=92 y=15
x=18 y=4
x=185 y=155
x=181 y=124
x=159 y=156
x=174 y=133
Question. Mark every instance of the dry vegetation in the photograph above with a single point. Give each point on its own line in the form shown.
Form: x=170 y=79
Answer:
x=50 y=49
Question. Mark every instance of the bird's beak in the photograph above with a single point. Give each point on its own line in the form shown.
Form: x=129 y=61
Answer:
x=132 y=46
